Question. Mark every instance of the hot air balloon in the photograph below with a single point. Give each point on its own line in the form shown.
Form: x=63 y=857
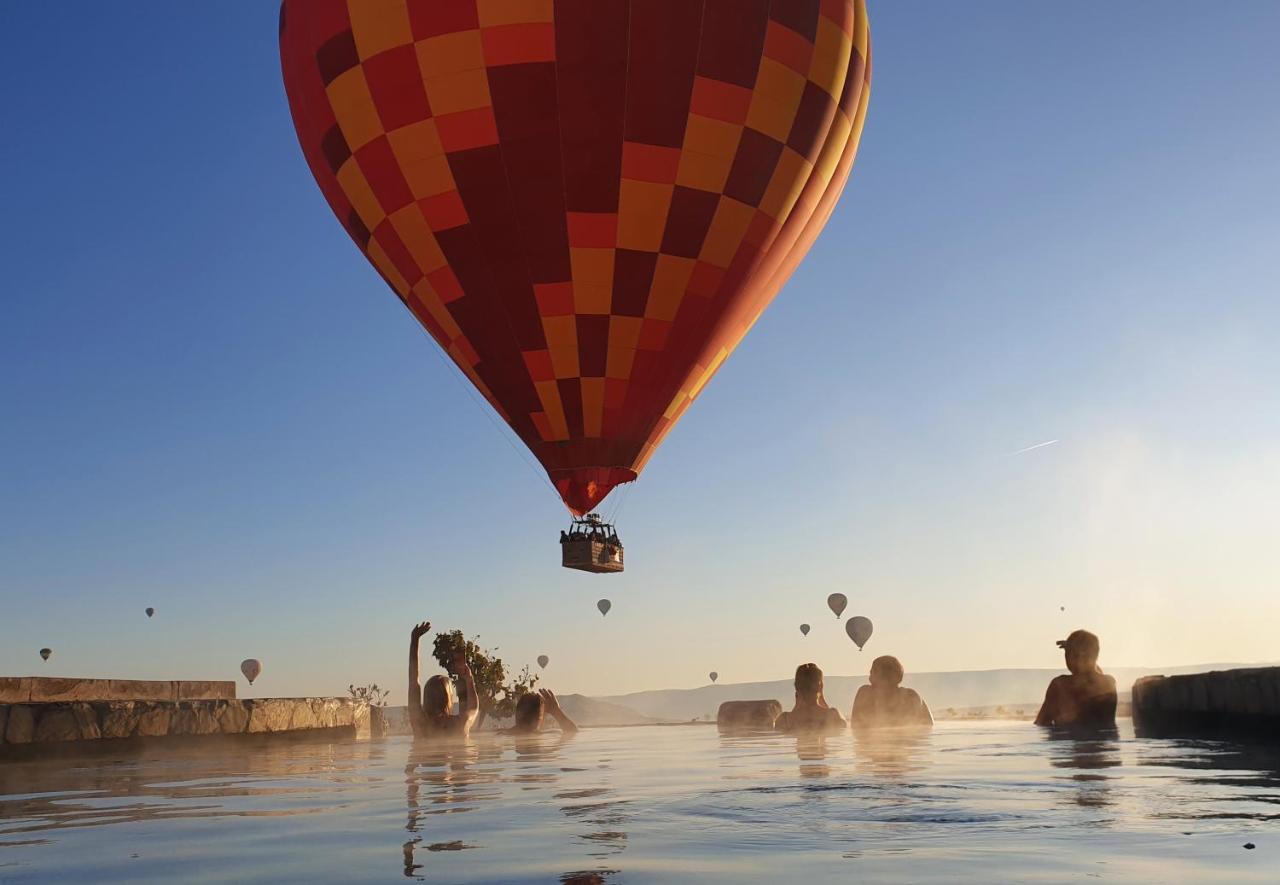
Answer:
x=604 y=605
x=837 y=603
x=586 y=204
x=45 y=652
x=151 y=612
x=543 y=660
x=859 y=630
x=714 y=675
x=804 y=629
x=251 y=668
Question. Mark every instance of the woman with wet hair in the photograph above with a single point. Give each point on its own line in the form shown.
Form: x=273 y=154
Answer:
x=885 y=701
x=811 y=712
x=533 y=707
x=431 y=706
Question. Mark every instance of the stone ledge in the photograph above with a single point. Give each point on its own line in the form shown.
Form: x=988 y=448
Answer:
x=1245 y=701
x=54 y=689
x=77 y=721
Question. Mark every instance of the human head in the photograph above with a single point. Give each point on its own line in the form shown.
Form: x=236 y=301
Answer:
x=1081 y=649
x=808 y=682
x=438 y=696
x=529 y=711
x=886 y=670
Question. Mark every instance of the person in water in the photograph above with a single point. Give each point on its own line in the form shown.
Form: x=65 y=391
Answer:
x=885 y=701
x=533 y=707
x=811 y=712
x=1086 y=697
x=430 y=708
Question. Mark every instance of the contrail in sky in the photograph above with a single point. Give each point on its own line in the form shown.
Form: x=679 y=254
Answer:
x=1036 y=446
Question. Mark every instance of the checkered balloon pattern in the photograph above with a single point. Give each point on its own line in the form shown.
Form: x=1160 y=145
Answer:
x=587 y=203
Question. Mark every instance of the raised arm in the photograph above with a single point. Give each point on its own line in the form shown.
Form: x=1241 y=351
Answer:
x=471 y=705
x=416 y=716
x=552 y=707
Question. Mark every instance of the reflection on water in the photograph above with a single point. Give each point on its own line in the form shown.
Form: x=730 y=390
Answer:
x=653 y=804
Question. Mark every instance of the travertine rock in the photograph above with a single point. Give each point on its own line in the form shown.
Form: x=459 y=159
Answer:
x=194 y=718
x=15 y=689
x=119 y=718
x=153 y=720
x=206 y=691
x=748 y=714
x=21 y=726
x=232 y=717
x=66 y=722
x=4 y=720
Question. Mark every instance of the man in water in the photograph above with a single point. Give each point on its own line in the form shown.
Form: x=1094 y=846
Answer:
x=885 y=701
x=811 y=712
x=1088 y=696
x=533 y=707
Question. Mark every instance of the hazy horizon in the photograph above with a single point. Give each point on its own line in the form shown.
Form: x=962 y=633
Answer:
x=214 y=406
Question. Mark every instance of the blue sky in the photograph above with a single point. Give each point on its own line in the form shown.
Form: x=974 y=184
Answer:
x=1062 y=224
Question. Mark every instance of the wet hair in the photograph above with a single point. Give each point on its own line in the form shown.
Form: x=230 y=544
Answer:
x=438 y=696
x=1082 y=641
x=808 y=679
x=529 y=708
x=887 y=668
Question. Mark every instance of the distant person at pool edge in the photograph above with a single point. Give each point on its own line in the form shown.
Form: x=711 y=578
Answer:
x=885 y=701
x=811 y=712
x=1088 y=696
x=533 y=707
x=430 y=711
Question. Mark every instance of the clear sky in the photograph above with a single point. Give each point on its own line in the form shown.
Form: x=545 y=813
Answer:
x=1064 y=223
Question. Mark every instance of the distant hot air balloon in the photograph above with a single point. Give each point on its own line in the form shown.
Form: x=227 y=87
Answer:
x=859 y=630
x=604 y=605
x=804 y=629
x=586 y=204
x=543 y=660
x=837 y=603
x=251 y=668
x=151 y=612
x=714 y=675
x=45 y=652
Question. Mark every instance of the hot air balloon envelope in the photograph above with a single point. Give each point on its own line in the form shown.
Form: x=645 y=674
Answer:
x=543 y=660
x=45 y=652
x=859 y=630
x=604 y=605
x=150 y=612
x=714 y=675
x=586 y=204
x=804 y=629
x=251 y=668
x=837 y=602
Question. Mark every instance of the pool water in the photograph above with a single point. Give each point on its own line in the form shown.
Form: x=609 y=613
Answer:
x=977 y=801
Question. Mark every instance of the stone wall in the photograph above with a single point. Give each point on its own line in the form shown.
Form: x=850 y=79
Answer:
x=62 y=722
x=749 y=715
x=1224 y=702
x=51 y=690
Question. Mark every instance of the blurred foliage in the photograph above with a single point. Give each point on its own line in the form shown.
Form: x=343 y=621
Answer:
x=377 y=697
x=497 y=692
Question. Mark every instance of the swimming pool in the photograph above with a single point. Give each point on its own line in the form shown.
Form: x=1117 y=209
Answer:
x=983 y=801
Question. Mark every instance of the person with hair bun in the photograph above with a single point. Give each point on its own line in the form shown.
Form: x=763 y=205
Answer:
x=811 y=712
x=885 y=701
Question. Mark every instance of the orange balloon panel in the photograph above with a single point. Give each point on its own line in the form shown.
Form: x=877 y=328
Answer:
x=587 y=203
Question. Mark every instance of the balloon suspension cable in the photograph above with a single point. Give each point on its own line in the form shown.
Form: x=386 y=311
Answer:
x=452 y=370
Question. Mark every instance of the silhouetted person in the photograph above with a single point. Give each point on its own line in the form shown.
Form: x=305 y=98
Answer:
x=532 y=707
x=1086 y=697
x=811 y=712
x=885 y=701
x=430 y=713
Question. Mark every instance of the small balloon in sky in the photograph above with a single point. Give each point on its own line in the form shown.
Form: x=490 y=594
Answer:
x=804 y=629
x=859 y=630
x=251 y=668
x=151 y=612
x=543 y=660
x=604 y=605
x=1062 y=608
x=714 y=675
x=45 y=652
x=837 y=603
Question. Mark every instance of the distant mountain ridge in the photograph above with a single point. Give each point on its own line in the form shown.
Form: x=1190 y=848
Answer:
x=961 y=688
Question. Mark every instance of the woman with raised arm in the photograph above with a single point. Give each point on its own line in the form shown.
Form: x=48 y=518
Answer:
x=430 y=708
